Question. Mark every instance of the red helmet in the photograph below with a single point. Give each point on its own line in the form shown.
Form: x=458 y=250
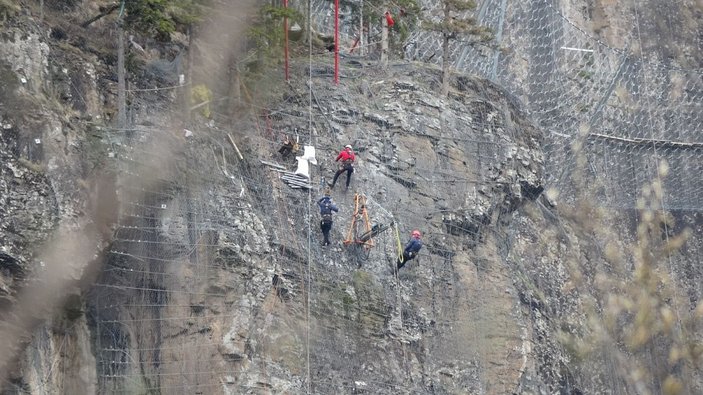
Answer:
x=416 y=234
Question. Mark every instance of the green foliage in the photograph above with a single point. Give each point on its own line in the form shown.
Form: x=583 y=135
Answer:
x=267 y=32
x=406 y=14
x=279 y=13
x=633 y=313
x=8 y=8
x=586 y=75
x=374 y=9
x=185 y=12
x=160 y=18
x=201 y=96
x=134 y=63
x=455 y=24
x=452 y=27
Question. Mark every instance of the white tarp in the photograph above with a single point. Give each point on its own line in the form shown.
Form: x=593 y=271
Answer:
x=309 y=154
x=305 y=161
x=303 y=167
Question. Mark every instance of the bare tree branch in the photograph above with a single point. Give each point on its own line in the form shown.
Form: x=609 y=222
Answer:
x=104 y=12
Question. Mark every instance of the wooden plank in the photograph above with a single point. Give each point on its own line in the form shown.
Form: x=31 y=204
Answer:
x=301 y=179
x=298 y=185
x=276 y=165
x=231 y=140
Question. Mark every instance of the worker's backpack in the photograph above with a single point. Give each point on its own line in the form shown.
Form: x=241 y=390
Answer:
x=326 y=209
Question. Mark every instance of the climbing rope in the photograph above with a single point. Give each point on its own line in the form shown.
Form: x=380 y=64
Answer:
x=399 y=245
x=309 y=276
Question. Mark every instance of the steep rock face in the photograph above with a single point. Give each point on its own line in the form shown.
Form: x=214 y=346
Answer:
x=225 y=245
x=27 y=199
x=571 y=269
x=62 y=345
x=44 y=143
x=28 y=212
x=215 y=282
x=45 y=181
x=454 y=168
x=603 y=71
x=239 y=299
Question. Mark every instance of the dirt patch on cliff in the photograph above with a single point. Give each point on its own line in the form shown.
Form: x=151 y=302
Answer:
x=12 y=103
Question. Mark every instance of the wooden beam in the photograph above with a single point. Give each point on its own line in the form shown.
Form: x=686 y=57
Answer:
x=231 y=140
x=276 y=165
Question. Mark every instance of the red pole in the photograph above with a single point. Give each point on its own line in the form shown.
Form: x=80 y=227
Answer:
x=285 y=34
x=336 y=41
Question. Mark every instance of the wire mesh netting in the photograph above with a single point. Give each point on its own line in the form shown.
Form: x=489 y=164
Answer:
x=627 y=108
x=161 y=296
x=164 y=305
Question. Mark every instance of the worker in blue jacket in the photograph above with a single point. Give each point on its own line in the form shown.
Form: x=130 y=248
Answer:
x=327 y=206
x=411 y=249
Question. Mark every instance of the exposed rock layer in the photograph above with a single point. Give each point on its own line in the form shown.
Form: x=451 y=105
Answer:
x=215 y=281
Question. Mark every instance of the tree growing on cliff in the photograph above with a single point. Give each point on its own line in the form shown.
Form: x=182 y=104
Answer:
x=160 y=18
x=267 y=31
x=156 y=18
x=636 y=328
x=405 y=13
x=454 y=24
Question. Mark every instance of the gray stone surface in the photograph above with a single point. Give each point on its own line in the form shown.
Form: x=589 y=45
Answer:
x=215 y=281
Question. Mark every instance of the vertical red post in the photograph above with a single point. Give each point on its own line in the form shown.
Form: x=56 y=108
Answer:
x=336 y=41
x=285 y=35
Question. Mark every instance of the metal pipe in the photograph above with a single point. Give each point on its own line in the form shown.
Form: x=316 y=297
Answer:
x=336 y=42
x=285 y=35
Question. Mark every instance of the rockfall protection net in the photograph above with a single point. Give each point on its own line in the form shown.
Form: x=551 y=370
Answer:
x=163 y=306
x=626 y=109
x=160 y=295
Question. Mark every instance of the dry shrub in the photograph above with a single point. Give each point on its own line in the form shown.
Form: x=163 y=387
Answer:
x=638 y=331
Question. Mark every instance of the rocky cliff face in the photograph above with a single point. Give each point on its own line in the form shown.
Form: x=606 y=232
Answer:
x=50 y=96
x=237 y=292
x=214 y=279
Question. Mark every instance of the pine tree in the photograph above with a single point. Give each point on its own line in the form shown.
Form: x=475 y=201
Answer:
x=159 y=18
x=405 y=12
x=154 y=18
x=452 y=26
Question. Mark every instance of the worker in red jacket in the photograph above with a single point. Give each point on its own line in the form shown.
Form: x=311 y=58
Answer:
x=389 y=19
x=347 y=164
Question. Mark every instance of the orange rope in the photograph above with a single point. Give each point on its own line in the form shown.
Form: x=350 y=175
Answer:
x=360 y=212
